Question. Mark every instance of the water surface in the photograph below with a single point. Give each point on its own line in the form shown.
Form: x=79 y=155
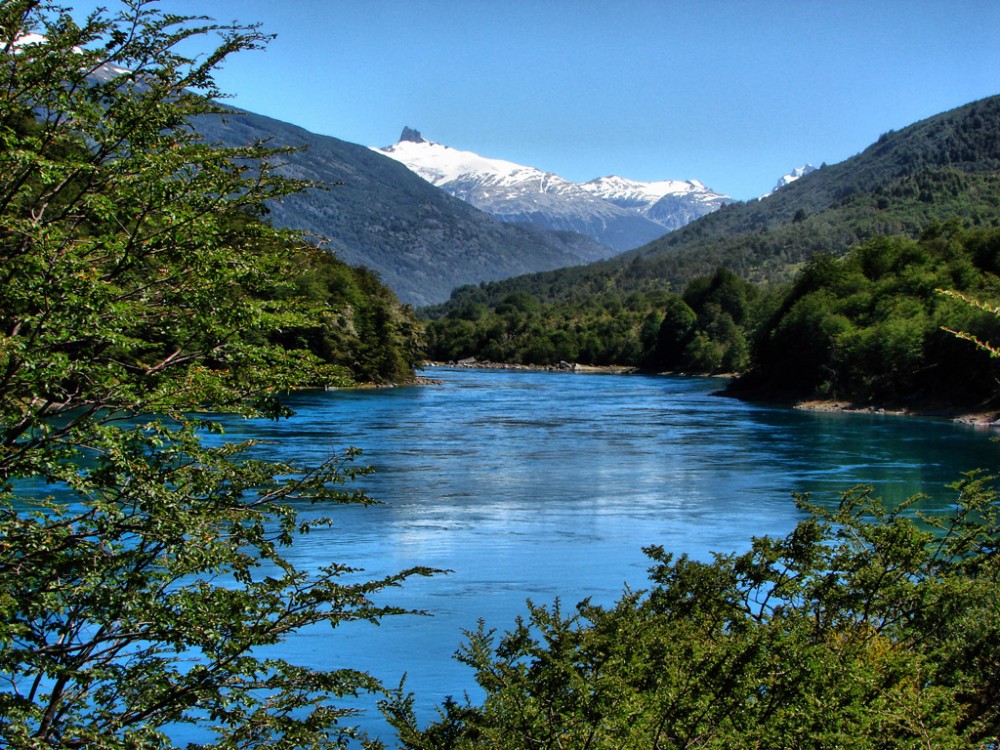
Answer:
x=545 y=485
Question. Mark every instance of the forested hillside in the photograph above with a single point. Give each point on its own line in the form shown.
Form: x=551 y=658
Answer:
x=147 y=590
x=941 y=168
x=876 y=327
x=866 y=328
x=825 y=289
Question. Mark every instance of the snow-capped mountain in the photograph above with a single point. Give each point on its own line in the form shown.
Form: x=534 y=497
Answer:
x=670 y=203
x=791 y=177
x=614 y=211
x=102 y=73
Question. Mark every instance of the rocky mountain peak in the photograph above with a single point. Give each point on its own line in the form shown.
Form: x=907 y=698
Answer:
x=411 y=135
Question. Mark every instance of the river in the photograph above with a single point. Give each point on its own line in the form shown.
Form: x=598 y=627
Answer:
x=544 y=485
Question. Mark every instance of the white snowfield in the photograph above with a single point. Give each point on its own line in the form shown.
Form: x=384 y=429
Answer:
x=616 y=211
x=440 y=165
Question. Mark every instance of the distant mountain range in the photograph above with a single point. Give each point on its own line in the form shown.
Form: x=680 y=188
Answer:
x=376 y=212
x=945 y=168
x=614 y=211
x=372 y=211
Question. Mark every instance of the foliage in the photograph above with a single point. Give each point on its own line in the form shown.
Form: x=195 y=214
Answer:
x=703 y=330
x=141 y=556
x=934 y=173
x=869 y=328
x=863 y=628
x=601 y=331
x=347 y=317
x=985 y=346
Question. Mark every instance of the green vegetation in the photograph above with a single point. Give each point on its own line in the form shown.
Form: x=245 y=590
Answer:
x=702 y=330
x=347 y=317
x=376 y=212
x=142 y=566
x=863 y=628
x=870 y=328
x=933 y=171
x=143 y=559
x=915 y=212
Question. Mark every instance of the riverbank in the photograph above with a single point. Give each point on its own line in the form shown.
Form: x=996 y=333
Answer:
x=983 y=418
x=473 y=364
x=980 y=418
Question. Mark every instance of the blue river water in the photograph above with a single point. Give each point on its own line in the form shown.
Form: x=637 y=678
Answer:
x=545 y=485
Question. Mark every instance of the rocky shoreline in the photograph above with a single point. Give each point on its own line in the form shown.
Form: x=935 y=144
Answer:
x=472 y=363
x=983 y=419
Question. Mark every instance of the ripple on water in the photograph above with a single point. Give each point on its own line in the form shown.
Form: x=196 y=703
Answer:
x=547 y=485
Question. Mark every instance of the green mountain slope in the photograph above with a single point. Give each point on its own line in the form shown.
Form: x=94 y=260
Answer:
x=944 y=167
x=375 y=212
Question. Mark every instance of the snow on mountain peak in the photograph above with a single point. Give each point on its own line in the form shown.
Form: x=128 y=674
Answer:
x=791 y=177
x=104 y=72
x=27 y=39
x=617 y=212
x=623 y=189
x=442 y=164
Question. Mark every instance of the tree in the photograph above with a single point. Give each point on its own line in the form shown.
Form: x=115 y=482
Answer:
x=676 y=332
x=141 y=566
x=985 y=346
x=868 y=327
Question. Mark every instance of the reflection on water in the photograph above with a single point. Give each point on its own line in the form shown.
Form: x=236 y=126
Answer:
x=538 y=485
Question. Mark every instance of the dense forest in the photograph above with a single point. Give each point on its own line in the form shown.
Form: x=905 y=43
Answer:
x=937 y=170
x=866 y=328
x=842 y=266
x=876 y=326
x=347 y=317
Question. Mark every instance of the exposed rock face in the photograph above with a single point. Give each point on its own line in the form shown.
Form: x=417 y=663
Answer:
x=411 y=136
x=375 y=212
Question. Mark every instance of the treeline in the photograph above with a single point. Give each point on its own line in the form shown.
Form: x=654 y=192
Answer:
x=871 y=328
x=867 y=327
x=931 y=171
x=702 y=330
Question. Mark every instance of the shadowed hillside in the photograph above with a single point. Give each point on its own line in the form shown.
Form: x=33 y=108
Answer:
x=375 y=212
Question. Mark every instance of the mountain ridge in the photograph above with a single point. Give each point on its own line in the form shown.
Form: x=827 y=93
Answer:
x=937 y=169
x=375 y=212
x=614 y=211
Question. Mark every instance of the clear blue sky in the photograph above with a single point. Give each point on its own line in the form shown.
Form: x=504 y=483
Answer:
x=731 y=92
